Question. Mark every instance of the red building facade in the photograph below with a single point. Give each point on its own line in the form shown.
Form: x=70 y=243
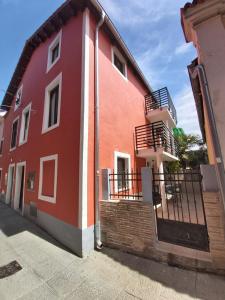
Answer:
x=48 y=161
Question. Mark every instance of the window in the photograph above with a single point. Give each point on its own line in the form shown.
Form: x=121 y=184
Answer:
x=25 y=125
x=0 y=178
x=52 y=105
x=18 y=98
x=14 y=134
x=54 y=51
x=122 y=166
x=1 y=147
x=48 y=178
x=119 y=62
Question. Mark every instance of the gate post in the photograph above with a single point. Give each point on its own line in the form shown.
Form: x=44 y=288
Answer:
x=105 y=184
x=146 y=176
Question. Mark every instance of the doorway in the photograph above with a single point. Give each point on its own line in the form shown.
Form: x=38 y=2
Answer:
x=10 y=184
x=19 y=189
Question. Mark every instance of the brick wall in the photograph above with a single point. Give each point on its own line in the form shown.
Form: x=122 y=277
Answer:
x=215 y=222
x=128 y=225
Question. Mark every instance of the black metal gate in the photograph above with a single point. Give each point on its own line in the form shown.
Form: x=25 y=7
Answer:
x=179 y=209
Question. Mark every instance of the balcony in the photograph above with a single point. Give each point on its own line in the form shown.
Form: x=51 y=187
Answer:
x=156 y=139
x=159 y=107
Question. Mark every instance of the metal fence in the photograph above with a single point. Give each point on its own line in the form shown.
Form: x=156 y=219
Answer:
x=159 y=99
x=156 y=135
x=178 y=197
x=125 y=185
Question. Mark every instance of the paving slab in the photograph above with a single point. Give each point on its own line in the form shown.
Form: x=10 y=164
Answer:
x=50 y=271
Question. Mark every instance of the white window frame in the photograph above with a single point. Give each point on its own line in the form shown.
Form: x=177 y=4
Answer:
x=117 y=52
x=16 y=119
x=49 y=88
x=1 y=170
x=2 y=141
x=20 y=89
x=128 y=160
x=43 y=197
x=22 y=125
x=57 y=40
x=17 y=186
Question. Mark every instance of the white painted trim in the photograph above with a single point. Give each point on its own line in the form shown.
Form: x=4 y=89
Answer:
x=116 y=51
x=9 y=183
x=128 y=158
x=43 y=197
x=20 y=89
x=16 y=119
x=49 y=88
x=17 y=186
x=83 y=168
x=22 y=125
x=57 y=40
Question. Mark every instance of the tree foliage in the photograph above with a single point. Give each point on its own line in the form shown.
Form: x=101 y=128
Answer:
x=192 y=153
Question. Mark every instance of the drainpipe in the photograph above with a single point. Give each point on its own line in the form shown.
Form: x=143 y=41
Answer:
x=98 y=241
x=200 y=71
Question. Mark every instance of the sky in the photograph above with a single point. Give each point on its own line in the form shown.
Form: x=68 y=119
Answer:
x=150 y=28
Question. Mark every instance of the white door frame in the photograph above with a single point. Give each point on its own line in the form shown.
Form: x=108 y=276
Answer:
x=10 y=183
x=18 y=185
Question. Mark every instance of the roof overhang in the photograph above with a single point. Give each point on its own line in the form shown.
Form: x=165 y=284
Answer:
x=196 y=87
x=53 y=24
x=193 y=14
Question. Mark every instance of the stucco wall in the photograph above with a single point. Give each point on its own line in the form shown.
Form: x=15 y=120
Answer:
x=63 y=140
x=121 y=109
x=210 y=37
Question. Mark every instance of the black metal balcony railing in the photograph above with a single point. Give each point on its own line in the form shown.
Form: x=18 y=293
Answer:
x=160 y=99
x=156 y=135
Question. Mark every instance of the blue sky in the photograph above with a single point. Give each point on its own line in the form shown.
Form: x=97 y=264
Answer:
x=150 y=28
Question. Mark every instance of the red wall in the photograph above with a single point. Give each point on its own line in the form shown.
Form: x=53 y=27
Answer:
x=63 y=140
x=121 y=109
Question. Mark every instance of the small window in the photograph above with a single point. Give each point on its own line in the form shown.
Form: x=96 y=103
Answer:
x=1 y=147
x=25 y=125
x=14 y=134
x=52 y=105
x=122 y=166
x=121 y=169
x=48 y=178
x=119 y=62
x=54 y=51
x=18 y=98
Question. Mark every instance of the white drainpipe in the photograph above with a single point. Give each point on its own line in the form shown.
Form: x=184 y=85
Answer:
x=200 y=71
x=98 y=242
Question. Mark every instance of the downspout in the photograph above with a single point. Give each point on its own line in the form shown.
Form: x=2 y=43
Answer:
x=200 y=71
x=98 y=242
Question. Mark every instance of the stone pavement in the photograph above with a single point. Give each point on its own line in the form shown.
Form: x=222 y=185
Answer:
x=52 y=272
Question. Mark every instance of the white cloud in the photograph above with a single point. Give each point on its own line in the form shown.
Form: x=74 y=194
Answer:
x=133 y=12
x=183 y=48
x=186 y=111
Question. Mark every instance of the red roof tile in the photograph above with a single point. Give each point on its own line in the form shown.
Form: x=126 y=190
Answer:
x=194 y=3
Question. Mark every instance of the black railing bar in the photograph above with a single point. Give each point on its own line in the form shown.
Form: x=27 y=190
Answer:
x=185 y=183
x=196 y=211
x=180 y=196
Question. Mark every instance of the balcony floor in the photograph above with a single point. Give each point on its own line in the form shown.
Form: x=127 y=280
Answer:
x=151 y=153
x=161 y=114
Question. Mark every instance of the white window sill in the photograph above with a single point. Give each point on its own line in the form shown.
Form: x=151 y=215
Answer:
x=123 y=76
x=47 y=199
x=46 y=130
x=12 y=149
x=22 y=143
x=49 y=67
